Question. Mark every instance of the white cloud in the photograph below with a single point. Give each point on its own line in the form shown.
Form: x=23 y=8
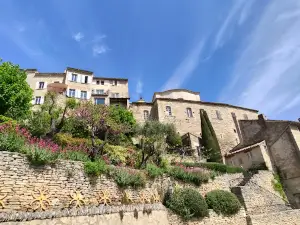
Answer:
x=245 y=11
x=229 y=21
x=99 y=49
x=185 y=68
x=78 y=36
x=288 y=15
x=139 y=87
x=266 y=74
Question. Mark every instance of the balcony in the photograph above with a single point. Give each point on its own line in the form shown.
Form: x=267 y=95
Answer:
x=99 y=93
x=57 y=87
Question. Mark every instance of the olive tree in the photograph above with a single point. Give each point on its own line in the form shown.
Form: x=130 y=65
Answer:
x=152 y=139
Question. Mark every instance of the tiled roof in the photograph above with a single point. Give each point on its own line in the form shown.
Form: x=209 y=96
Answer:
x=109 y=78
x=206 y=103
x=50 y=74
x=79 y=70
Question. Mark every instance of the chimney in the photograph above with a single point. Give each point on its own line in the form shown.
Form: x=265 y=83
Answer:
x=262 y=120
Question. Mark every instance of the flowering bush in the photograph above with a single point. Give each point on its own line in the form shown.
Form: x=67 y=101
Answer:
x=126 y=178
x=39 y=151
x=190 y=176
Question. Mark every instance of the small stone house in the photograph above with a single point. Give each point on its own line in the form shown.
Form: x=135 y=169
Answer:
x=275 y=143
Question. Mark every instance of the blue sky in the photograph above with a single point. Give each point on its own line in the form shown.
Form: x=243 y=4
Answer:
x=242 y=52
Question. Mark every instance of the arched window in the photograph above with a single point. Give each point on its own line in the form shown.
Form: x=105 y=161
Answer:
x=168 y=110
x=146 y=114
x=189 y=112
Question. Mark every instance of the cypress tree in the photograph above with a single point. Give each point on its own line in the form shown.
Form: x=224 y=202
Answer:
x=209 y=140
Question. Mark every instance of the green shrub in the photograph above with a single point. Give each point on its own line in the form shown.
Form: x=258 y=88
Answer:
x=38 y=157
x=223 y=202
x=188 y=203
x=218 y=167
x=116 y=154
x=65 y=139
x=154 y=171
x=95 y=168
x=191 y=177
x=38 y=123
x=164 y=164
x=5 y=119
x=11 y=142
x=277 y=186
x=75 y=156
x=129 y=178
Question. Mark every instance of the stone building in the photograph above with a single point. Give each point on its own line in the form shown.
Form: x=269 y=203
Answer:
x=182 y=108
x=80 y=84
x=274 y=143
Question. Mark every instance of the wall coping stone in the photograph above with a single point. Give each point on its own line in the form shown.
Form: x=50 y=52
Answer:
x=84 y=211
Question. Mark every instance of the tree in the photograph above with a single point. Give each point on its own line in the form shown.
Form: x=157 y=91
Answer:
x=173 y=138
x=211 y=149
x=15 y=93
x=98 y=121
x=152 y=137
x=50 y=118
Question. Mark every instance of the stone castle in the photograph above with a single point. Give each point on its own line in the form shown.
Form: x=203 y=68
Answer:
x=246 y=138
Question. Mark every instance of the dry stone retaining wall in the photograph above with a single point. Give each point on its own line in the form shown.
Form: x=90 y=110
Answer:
x=20 y=184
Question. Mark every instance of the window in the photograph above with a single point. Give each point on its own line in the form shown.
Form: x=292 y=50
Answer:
x=234 y=130
x=114 y=82
x=41 y=85
x=249 y=154
x=189 y=112
x=71 y=92
x=98 y=82
x=146 y=114
x=240 y=161
x=245 y=116
x=168 y=110
x=86 y=79
x=219 y=116
x=74 y=77
x=99 y=91
x=99 y=101
x=38 y=100
x=115 y=95
x=83 y=95
x=102 y=82
x=232 y=162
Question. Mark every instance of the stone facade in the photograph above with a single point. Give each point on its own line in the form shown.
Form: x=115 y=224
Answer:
x=182 y=108
x=250 y=157
x=109 y=91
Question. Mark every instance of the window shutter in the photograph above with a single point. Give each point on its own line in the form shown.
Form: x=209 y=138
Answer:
x=42 y=100
x=33 y=101
x=69 y=76
x=77 y=93
x=45 y=85
x=89 y=79
x=88 y=95
x=37 y=85
x=81 y=78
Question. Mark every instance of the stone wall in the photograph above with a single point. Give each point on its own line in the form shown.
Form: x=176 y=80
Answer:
x=213 y=219
x=286 y=158
x=20 y=184
x=287 y=217
x=123 y=215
